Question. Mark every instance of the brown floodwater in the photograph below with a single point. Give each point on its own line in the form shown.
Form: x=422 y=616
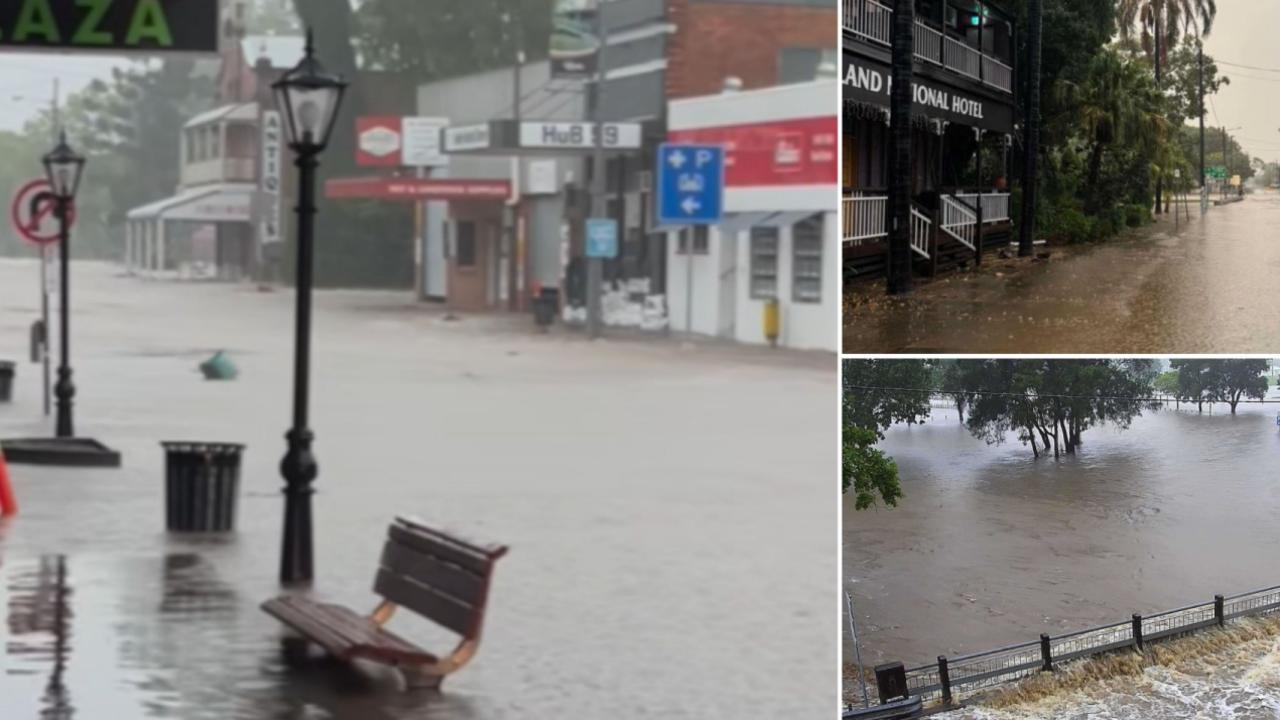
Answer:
x=1205 y=286
x=992 y=547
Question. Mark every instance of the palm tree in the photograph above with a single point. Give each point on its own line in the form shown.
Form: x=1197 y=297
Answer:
x=1026 y=241
x=1161 y=24
x=900 y=148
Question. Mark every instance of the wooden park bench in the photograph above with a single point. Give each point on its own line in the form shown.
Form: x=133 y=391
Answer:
x=435 y=574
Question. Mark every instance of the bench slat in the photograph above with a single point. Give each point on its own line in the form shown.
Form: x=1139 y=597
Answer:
x=460 y=618
x=465 y=587
x=488 y=549
x=343 y=633
x=431 y=545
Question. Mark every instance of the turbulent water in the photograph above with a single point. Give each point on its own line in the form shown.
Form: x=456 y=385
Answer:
x=1231 y=675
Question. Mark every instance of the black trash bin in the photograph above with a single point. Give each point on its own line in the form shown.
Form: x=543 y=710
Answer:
x=6 y=381
x=545 y=306
x=201 y=483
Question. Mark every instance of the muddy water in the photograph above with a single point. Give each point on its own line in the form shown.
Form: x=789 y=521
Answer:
x=992 y=547
x=1207 y=285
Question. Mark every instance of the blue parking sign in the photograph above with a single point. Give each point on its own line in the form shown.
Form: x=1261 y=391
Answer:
x=690 y=184
x=602 y=238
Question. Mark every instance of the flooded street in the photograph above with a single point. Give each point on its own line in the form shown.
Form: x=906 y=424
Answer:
x=1207 y=287
x=991 y=547
x=670 y=532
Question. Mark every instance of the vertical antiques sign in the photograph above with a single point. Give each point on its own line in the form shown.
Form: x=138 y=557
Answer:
x=269 y=185
x=115 y=26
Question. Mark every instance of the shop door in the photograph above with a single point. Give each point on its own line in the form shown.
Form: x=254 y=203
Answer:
x=470 y=266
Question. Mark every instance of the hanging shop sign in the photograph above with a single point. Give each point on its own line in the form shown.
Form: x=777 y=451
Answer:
x=114 y=26
x=574 y=47
x=579 y=135
x=269 y=184
x=540 y=137
x=869 y=82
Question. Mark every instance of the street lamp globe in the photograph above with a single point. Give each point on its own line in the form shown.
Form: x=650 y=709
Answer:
x=309 y=97
x=63 y=167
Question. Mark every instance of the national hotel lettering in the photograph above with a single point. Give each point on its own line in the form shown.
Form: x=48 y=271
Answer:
x=963 y=131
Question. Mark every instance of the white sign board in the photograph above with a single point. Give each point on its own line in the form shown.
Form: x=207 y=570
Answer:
x=579 y=135
x=269 y=185
x=421 y=141
x=542 y=178
x=467 y=137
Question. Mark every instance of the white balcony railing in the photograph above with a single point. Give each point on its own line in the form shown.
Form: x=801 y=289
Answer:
x=997 y=74
x=995 y=205
x=962 y=58
x=873 y=21
x=863 y=217
x=959 y=222
x=928 y=44
x=921 y=229
x=869 y=19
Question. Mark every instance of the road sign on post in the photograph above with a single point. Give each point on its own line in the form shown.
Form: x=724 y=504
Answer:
x=1216 y=172
x=690 y=184
x=602 y=238
x=32 y=213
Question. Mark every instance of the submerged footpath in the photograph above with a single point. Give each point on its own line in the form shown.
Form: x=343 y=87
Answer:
x=1233 y=672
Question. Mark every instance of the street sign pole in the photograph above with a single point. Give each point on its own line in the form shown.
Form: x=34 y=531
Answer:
x=595 y=265
x=690 y=193
x=44 y=323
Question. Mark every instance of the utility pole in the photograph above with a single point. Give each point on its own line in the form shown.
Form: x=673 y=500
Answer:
x=595 y=265
x=900 y=112
x=1204 y=195
x=1159 y=49
x=1026 y=241
x=513 y=209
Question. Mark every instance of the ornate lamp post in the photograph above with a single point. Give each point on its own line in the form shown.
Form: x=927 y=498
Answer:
x=308 y=96
x=63 y=167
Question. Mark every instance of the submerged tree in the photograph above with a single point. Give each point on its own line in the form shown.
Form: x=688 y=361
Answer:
x=872 y=474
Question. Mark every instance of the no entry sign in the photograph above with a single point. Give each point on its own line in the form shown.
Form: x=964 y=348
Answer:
x=32 y=213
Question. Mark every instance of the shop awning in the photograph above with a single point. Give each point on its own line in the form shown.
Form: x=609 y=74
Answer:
x=787 y=219
x=734 y=223
x=212 y=203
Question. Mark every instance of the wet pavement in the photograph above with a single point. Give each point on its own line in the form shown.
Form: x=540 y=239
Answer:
x=991 y=547
x=1209 y=286
x=667 y=506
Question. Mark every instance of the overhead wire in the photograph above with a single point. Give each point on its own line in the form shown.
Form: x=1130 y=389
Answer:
x=1037 y=396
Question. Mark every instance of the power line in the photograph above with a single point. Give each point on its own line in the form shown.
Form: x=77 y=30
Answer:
x=1246 y=67
x=1039 y=396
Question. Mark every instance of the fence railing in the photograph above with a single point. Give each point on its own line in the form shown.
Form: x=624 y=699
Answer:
x=863 y=217
x=928 y=43
x=868 y=19
x=959 y=221
x=921 y=231
x=995 y=205
x=953 y=678
x=962 y=58
x=997 y=74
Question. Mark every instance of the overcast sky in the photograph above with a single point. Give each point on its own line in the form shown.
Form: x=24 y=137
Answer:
x=1245 y=34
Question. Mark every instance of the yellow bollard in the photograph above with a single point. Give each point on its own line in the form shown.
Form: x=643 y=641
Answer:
x=772 y=320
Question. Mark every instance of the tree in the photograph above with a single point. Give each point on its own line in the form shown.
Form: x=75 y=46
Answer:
x=1160 y=25
x=880 y=393
x=1195 y=381
x=1236 y=379
x=868 y=471
x=1035 y=21
x=1167 y=384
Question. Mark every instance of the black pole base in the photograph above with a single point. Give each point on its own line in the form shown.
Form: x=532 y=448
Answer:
x=62 y=452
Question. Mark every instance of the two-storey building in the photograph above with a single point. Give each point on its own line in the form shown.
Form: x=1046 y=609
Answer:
x=963 y=127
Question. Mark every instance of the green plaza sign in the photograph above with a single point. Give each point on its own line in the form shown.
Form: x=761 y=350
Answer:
x=113 y=26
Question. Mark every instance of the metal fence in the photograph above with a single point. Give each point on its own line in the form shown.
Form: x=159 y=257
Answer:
x=953 y=678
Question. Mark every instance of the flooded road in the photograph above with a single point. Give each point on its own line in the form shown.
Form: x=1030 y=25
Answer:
x=670 y=533
x=1207 y=287
x=991 y=547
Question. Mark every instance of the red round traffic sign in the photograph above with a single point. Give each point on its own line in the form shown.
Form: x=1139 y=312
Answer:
x=34 y=218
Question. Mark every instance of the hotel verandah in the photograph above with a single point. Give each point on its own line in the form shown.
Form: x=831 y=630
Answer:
x=963 y=130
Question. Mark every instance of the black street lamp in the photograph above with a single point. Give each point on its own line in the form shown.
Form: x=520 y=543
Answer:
x=309 y=97
x=63 y=167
